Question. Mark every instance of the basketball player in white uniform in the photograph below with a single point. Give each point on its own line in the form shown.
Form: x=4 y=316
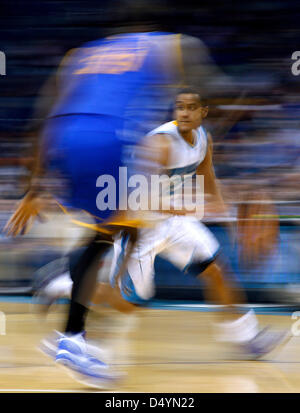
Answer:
x=182 y=147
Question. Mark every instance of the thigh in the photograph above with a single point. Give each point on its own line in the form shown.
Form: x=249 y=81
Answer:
x=189 y=241
x=138 y=281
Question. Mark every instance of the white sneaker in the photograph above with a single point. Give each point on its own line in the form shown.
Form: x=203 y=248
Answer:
x=79 y=358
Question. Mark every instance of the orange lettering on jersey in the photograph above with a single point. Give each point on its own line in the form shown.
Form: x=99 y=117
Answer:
x=111 y=61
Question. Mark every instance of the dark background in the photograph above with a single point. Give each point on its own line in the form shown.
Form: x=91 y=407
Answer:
x=252 y=42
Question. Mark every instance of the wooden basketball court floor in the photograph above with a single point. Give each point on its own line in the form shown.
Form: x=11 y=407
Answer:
x=158 y=350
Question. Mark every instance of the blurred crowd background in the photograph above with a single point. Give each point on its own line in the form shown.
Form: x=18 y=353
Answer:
x=251 y=42
x=256 y=150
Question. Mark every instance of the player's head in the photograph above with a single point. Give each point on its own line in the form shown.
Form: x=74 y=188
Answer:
x=139 y=15
x=190 y=110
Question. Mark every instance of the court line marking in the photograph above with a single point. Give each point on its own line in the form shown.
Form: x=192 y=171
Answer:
x=55 y=391
x=260 y=309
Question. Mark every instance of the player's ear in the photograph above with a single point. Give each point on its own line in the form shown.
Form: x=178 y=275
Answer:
x=204 y=111
x=174 y=113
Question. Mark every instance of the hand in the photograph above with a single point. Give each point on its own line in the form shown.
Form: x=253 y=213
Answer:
x=22 y=220
x=258 y=230
x=214 y=207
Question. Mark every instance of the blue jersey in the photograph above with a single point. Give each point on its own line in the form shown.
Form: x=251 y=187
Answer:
x=121 y=76
x=111 y=93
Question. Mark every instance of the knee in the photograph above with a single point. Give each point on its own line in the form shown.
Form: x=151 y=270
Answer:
x=213 y=274
x=213 y=270
x=205 y=268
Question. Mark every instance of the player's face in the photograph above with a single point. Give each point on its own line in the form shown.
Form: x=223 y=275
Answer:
x=188 y=112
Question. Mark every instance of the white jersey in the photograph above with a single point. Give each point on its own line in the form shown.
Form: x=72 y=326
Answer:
x=182 y=240
x=183 y=162
x=184 y=158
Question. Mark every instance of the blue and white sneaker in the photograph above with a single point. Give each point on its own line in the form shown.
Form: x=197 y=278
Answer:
x=263 y=343
x=79 y=358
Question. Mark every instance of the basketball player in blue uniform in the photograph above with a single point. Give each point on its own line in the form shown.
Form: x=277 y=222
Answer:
x=111 y=92
x=108 y=94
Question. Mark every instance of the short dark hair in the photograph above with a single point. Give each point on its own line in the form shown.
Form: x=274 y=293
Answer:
x=194 y=91
x=139 y=15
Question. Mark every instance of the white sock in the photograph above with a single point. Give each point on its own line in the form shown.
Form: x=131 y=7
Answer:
x=243 y=329
x=60 y=286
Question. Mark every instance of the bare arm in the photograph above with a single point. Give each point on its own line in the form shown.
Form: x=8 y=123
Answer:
x=154 y=158
x=155 y=151
x=211 y=185
x=37 y=196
